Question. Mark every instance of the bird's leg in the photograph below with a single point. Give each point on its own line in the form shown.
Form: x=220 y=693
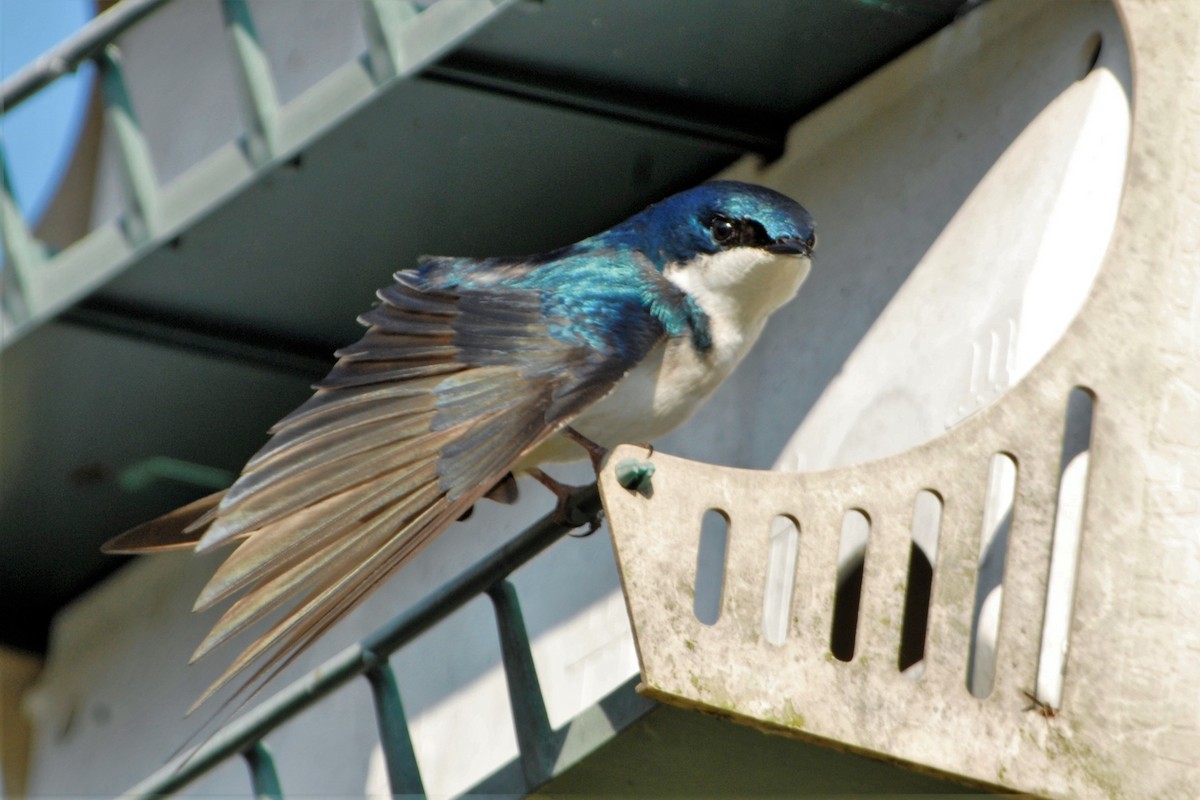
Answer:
x=559 y=489
x=564 y=514
x=595 y=452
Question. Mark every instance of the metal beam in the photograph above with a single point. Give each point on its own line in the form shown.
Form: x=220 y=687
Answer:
x=74 y=50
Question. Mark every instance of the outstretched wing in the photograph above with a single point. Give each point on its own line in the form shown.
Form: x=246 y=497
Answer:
x=448 y=388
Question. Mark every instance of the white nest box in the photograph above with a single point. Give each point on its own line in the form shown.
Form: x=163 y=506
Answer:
x=1055 y=447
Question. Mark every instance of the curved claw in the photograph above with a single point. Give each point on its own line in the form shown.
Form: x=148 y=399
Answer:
x=593 y=524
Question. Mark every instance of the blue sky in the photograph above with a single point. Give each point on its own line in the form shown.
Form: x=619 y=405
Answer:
x=39 y=134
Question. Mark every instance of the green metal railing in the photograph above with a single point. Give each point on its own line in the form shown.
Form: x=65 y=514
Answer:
x=540 y=747
x=403 y=37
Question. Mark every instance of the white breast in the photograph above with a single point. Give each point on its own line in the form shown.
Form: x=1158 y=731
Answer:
x=738 y=290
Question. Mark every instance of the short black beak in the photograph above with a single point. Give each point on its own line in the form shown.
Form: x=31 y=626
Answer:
x=793 y=245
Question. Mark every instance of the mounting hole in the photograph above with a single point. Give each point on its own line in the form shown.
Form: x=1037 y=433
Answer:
x=998 y=505
x=781 y=578
x=922 y=560
x=852 y=555
x=710 y=566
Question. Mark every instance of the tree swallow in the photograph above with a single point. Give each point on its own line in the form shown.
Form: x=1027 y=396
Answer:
x=472 y=370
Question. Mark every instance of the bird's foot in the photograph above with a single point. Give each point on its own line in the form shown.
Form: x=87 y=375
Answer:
x=597 y=453
x=593 y=525
x=564 y=512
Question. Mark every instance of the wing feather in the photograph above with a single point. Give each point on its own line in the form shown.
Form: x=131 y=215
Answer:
x=275 y=500
x=274 y=548
x=451 y=384
x=330 y=405
x=338 y=606
x=168 y=532
x=320 y=567
x=326 y=427
x=334 y=580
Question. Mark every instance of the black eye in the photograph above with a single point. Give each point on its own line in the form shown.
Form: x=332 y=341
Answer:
x=724 y=231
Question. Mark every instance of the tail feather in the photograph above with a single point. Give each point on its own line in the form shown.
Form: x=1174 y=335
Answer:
x=172 y=531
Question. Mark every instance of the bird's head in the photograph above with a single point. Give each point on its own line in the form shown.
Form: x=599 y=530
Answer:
x=718 y=217
x=726 y=243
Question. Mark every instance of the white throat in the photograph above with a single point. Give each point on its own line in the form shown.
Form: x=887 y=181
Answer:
x=738 y=290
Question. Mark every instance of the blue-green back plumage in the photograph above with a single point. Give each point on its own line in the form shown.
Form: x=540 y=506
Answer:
x=608 y=291
x=610 y=299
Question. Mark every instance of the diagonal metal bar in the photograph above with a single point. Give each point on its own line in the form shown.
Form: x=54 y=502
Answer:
x=137 y=166
x=22 y=252
x=257 y=98
x=73 y=51
x=412 y=41
x=404 y=775
x=368 y=654
x=264 y=780
x=381 y=20
x=535 y=738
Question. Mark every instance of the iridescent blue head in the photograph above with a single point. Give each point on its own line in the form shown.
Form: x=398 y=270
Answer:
x=715 y=217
